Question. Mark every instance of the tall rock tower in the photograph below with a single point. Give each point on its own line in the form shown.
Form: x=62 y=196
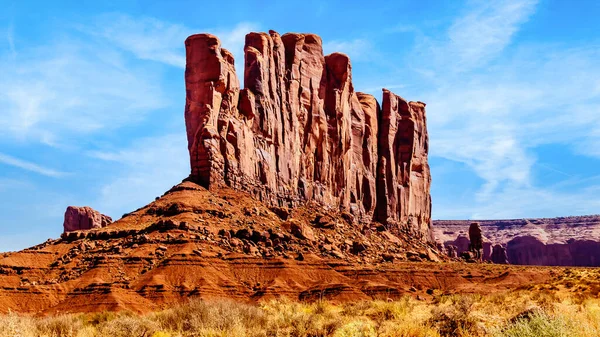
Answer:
x=298 y=131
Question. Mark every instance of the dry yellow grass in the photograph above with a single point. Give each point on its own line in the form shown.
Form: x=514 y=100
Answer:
x=554 y=310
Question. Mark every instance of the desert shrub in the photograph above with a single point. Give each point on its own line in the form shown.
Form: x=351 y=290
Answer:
x=356 y=308
x=59 y=326
x=128 y=326
x=88 y=331
x=162 y=334
x=510 y=314
x=288 y=318
x=381 y=311
x=357 y=328
x=224 y=317
x=455 y=319
x=97 y=318
x=18 y=326
x=545 y=300
x=406 y=329
x=538 y=324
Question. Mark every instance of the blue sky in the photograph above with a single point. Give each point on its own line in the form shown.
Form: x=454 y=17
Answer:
x=92 y=98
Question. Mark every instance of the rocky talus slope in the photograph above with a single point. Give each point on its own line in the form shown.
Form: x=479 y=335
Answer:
x=193 y=242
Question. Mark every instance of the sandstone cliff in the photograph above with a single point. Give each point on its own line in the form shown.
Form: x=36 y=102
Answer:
x=298 y=131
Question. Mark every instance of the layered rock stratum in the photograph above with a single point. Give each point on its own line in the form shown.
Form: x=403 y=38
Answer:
x=563 y=241
x=298 y=131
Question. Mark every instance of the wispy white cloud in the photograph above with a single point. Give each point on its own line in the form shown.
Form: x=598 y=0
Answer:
x=10 y=39
x=151 y=39
x=147 y=38
x=147 y=168
x=73 y=87
x=527 y=202
x=357 y=49
x=81 y=85
x=29 y=166
x=487 y=29
x=493 y=118
x=7 y=184
x=478 y=36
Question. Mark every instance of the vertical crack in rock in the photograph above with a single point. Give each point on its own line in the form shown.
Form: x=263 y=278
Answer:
x=299 y=132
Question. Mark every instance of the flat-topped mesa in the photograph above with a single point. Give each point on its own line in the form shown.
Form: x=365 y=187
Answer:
x=299 y=132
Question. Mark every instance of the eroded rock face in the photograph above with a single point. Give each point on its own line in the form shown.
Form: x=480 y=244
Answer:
x=403 y=172
x=298 y=131
x=499 y=255
x=475 y=239
x=83 y=218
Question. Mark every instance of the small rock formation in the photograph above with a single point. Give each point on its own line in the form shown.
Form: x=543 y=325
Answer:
x=476 y=240
x=487 y=249
x=298 y=131
x=461 y=244
x=83 y=218
x=499 y=255
x=451 y=251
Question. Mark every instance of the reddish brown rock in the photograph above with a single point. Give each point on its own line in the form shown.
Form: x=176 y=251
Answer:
x=403 y=180
x=461 y=244
x=499 y=255
x=298 y=131
x=546 y=241
x=487 y=250
x=212 y=90
x=476 y=240
x=451 y=251
x=83 y=218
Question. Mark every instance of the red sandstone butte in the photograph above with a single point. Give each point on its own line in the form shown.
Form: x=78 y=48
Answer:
x=84 y=218
x=298 y=131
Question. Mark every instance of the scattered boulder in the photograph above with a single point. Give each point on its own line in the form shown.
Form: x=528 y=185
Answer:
x=301 y=231
x=283 y=213
x=84 y=218
x=358 y=247
x=324 y=221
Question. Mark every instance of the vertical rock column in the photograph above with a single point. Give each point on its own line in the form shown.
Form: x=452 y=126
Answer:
x=212 y=90
x=403 y=177
x=306 y=84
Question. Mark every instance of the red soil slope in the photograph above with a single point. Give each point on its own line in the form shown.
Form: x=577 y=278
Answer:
x=171 y=250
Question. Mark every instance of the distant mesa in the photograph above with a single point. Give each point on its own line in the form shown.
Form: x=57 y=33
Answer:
x=84 y=218
x=564 y=241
